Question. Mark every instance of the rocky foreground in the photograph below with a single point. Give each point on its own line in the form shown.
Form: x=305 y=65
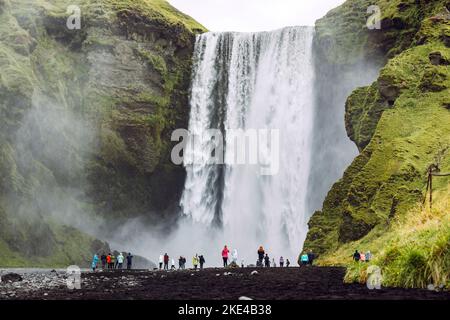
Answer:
x=273 y=283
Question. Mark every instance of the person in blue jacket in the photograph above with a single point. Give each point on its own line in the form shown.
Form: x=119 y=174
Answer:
x=303 y=259
x=94 y=262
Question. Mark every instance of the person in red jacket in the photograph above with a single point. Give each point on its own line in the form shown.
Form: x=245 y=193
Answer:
x=166 y=262
x=225 y=253
x=108 y=260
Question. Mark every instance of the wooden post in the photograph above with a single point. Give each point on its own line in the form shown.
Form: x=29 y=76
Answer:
x=430 y=183
x=431 y=191
x=428 y=186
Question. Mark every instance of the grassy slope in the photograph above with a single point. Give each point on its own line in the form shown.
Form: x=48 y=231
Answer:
x=158 y=10
x=401 y=125
x=413 y=252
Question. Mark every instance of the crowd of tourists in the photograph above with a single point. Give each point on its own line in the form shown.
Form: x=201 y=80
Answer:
x=230 y=259
x=111 y=261
x=306 y=258
x=361 y=256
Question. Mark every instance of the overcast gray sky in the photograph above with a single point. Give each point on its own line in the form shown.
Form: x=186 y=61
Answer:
x=255 y=15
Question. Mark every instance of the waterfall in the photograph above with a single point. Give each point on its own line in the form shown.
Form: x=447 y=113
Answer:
x=252 y=81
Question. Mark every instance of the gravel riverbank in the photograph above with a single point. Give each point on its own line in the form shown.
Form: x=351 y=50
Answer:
x=273 y=283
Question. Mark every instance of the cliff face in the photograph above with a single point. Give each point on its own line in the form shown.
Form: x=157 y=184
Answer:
x=401 y=125
x=86 y=117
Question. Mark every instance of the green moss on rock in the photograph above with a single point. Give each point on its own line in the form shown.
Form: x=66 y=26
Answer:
x=399 y=123
x=119 y=85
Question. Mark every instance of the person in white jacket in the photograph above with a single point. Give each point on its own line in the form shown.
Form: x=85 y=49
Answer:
x=161 y=258
x=173 y=265
x=234 y=256
x=120 y=260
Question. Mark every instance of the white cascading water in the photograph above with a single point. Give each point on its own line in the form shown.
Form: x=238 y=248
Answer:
x=252 y=81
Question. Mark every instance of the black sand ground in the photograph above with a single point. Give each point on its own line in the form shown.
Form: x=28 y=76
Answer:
x=271 y=283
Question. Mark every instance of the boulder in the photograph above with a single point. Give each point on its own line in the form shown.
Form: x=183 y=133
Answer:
x=437 y=59
x=446 y=40
x=433 y=80
x=11 y=277
x=388 y=89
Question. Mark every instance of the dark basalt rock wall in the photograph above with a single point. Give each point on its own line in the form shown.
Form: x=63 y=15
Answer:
x=86 y=118
x=399 y=123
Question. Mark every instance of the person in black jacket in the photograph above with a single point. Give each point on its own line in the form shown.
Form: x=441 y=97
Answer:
x=182 y=262
x=129 y=261
x=311 y=257
x=202 y=261
x=103 y=258
x=356 y=256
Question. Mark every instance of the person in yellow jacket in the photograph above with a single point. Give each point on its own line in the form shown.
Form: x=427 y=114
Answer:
x=195 y=261
x=113 y=261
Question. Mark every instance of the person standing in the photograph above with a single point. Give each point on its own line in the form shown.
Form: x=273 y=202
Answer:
x=356 y=256
x=108 y=260
x=166 y=261
x=94 y=262
x=261 y=253
x=362 y=256
x=172 y=266
x=281 y=262
x=113 y=261
x=180 y=263
x=311 y=257
x=120 y=259
x=129 y=261
x=195 y=262
x=225 y=253
x=116 y=264
x=287 y=263
x=161 y=260
x=103 y=258
x=234 y=256
x=303 y=259
x=202 y=261
x=267 y=261
x=368 y=256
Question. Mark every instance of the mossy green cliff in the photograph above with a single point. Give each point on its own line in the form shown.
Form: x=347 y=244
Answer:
x=401 y=125
x=86 y=117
